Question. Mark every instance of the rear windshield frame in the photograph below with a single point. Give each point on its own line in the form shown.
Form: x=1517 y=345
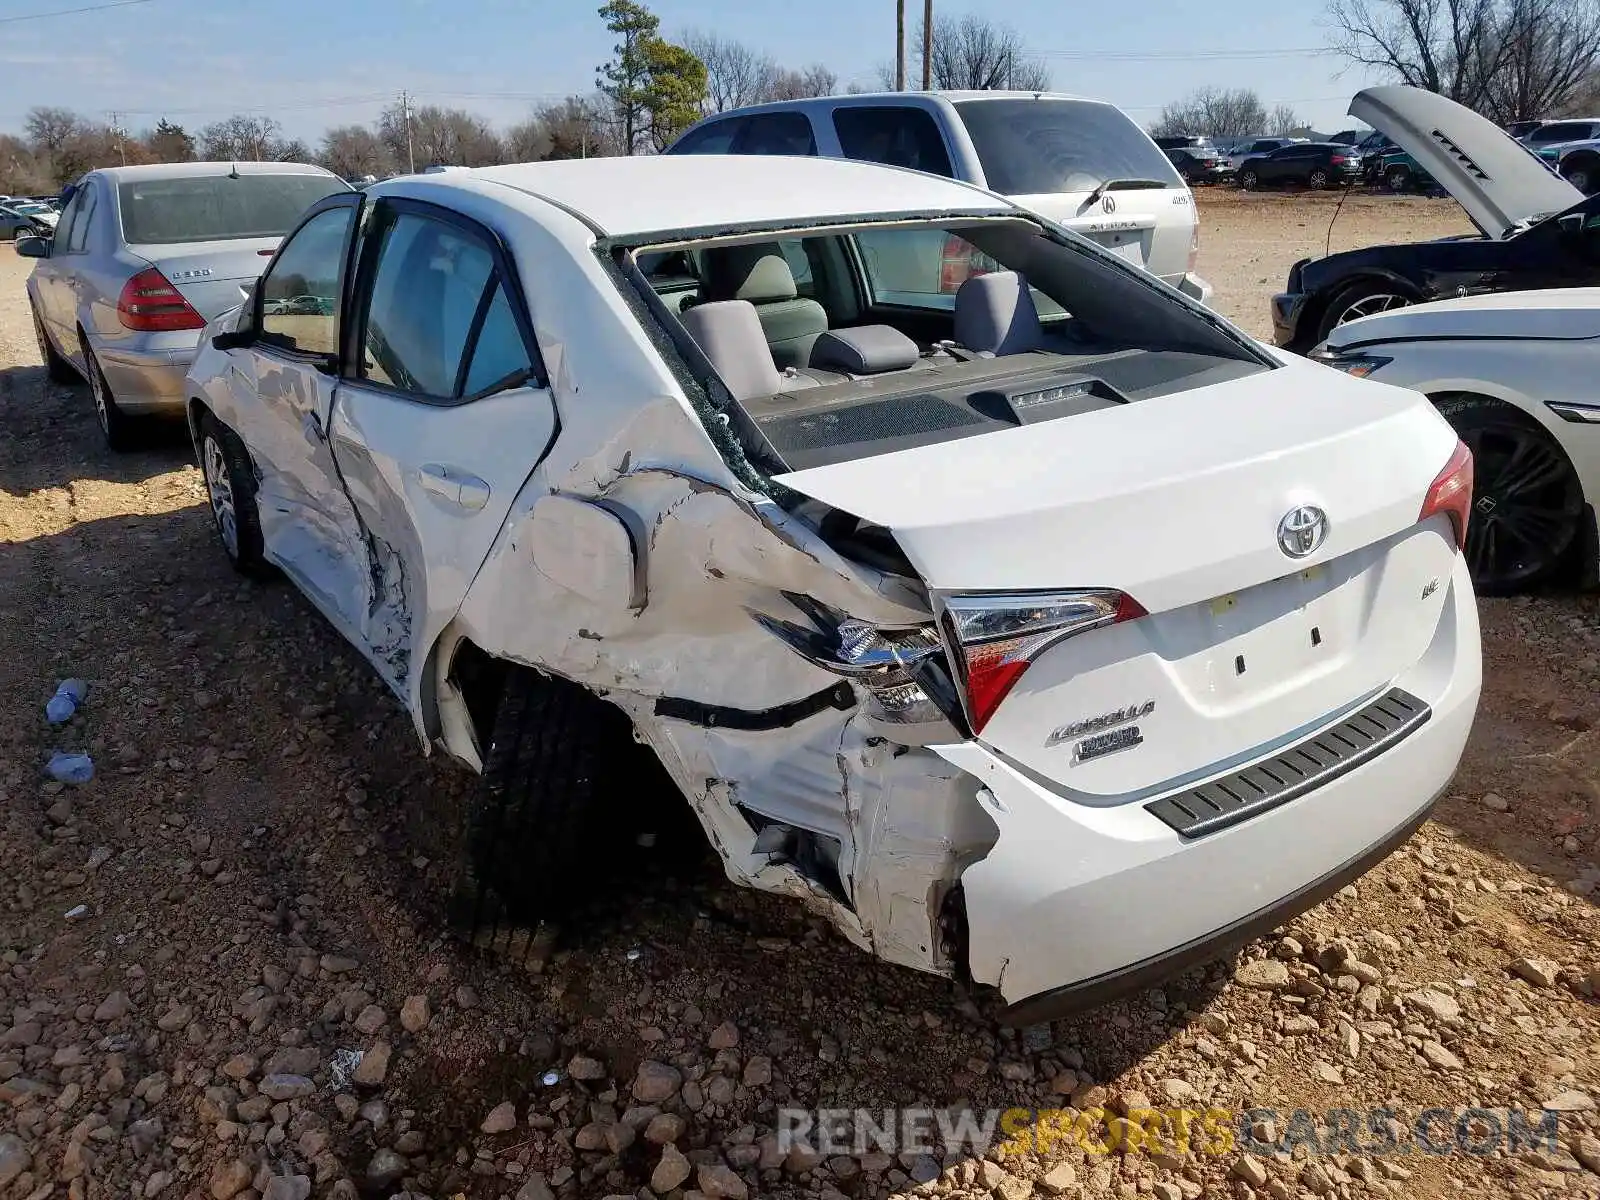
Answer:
x=128 y=204
x=997 y=125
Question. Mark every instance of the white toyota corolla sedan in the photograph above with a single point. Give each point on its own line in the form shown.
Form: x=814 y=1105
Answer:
x=1018 y=614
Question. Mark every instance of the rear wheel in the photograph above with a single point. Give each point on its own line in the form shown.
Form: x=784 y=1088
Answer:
x=1583 y=173
x=1317 y=180
x=1397 y=179
x=1527 y=503
x=1360 y=300
x=1249 y=180
x=55 y=364
x=119 y=428
x=560 y=807
x=231 y=489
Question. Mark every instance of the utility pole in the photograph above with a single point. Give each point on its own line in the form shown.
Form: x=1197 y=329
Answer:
x=927 y=45
x=405 y=115
x=899 y=45
x=116 y=128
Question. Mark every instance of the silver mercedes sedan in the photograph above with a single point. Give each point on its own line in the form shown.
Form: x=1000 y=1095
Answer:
x=141 y=259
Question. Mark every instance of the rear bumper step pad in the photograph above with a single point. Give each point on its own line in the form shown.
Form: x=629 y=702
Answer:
x=1301 y=768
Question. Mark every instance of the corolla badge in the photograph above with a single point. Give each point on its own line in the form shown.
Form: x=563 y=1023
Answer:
x=1302 y=530
x=1103 y=721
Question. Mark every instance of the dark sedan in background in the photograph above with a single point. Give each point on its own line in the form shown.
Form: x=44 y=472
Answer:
x=1536 y=229
x=1314 y=165
x=1201 y=164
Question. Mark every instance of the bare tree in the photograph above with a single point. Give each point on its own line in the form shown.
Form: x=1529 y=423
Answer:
x=242 y=137
x=351 y=151
x=784 y=84
x=735 y=74
x=1507 y=59
x=977 y=54
x=50 y=129
x=1215 y=112
x=443 y=136
x=1283 y=121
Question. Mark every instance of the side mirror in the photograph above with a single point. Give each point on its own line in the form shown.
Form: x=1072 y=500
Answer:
x=249 y=326
x=33 y=247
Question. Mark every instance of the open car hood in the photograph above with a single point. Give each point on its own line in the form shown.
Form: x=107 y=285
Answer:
x=1499 y=181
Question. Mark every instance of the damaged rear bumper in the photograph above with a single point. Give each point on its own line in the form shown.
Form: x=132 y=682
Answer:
x=1078 y=902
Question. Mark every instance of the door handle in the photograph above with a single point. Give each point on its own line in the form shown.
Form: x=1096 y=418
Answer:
x=453 y=486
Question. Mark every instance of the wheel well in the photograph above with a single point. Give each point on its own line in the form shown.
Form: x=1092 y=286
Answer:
x=481 y=679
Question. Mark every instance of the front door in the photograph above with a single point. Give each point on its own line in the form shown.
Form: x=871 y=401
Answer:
x=443 y=414
x=283 y=390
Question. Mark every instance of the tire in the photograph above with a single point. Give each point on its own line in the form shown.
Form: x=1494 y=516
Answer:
x=1249 y=180
x=231 y=491
x=56 y=367
x=1360 y=300
x=1317 y=180
x=1584 y=175
x=552 y=811
x=1398 y=179
x=1527 y=502
x=120 y=430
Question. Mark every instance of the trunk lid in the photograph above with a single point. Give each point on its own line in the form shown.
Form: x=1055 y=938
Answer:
x=1499 y=181
x=1177 y=501
x=211 y=275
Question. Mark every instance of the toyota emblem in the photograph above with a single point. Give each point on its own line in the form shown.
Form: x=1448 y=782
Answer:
x=1108 y=203
x=1302 y=530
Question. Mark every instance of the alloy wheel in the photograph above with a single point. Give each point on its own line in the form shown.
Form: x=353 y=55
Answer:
x=43 y=339
x=219 y=486
x=1248 y=181
x=97 y=389
x=1525 y=505
x=1578 y=177
x=1369 y=304
x=1318 y=179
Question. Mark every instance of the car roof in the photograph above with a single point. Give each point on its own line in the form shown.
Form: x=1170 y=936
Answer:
x=660 y=193
x=201 y=169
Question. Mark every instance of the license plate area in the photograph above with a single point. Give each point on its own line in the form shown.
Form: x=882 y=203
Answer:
x=1272 y=634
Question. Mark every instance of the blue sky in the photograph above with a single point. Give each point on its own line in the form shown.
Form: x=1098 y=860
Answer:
x=316 y=63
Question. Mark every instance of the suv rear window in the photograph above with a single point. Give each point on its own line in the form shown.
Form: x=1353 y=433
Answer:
x=894 y=134
x=1037 y=147
x=214 y=208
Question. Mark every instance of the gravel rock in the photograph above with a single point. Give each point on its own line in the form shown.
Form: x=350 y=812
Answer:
x=1441 y=1057
x=14 y=1158
x=384 y=1168
x=501 y=1118
x=1571 y=1101
x=230 y=1177
x=586 y=1069
x=415 y=1014
x=370 y=1020
x=724 y=1036
x=664 y=1128
x=374 y=1066
x=720 y=1182
x=286 y=1087
x=1436 y=1004
x=656 y=1082
x=338 y=964
x=1249 y=1169
x=113 y=1007
x=1540 y=972
x=1264 y=974
x=534 y=1187
x=670 y=1172
x=1060 y=1179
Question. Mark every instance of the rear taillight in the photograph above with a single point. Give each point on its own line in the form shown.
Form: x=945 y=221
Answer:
x=994 y=639
x=1337 y=160
x=1451 y=492
x=150 y=304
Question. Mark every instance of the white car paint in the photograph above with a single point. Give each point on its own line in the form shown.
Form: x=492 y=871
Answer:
x=597 y=532
x=1500 y=183
x=1538 y=351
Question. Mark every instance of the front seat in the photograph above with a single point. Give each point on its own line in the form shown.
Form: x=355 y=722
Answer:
x=995 y=315
x=761 y=275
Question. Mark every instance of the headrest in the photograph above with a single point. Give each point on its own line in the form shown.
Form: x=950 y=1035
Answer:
x=758 y=273
x=995 y=315
x=864 y=350
x=729 y=332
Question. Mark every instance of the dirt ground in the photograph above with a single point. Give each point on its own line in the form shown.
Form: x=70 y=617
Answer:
x=251 y=887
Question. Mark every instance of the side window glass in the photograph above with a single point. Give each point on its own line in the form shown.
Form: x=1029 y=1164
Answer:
x=78 y=239
x=716 y=138
x=895 y=135
x=300 y=293
x=499 y=353
x=777 y=133
x=429 y=283
x=794 y=253
x=63 y=233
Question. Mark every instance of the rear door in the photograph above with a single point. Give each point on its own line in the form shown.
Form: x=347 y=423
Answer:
x=281 y=391
x=443 y=414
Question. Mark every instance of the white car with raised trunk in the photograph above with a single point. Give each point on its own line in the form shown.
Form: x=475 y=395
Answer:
x=1051 y=634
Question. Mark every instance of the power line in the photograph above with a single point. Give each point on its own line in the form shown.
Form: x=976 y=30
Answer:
x=69 y=12
x=1182 y=55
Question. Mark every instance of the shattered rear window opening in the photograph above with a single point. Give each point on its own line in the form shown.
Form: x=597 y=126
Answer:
x=823 y=345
